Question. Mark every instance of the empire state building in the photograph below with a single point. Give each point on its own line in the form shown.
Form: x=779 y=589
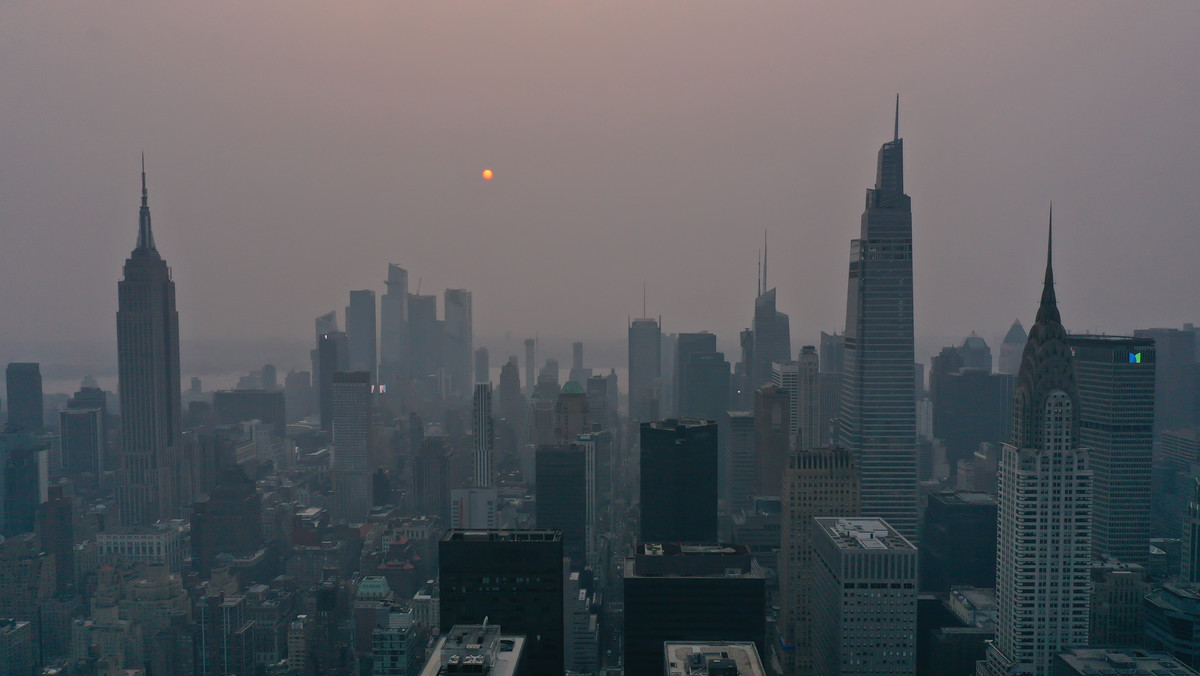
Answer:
x=148 y=364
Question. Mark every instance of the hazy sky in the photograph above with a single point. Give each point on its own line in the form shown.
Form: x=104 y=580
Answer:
x=296 y=148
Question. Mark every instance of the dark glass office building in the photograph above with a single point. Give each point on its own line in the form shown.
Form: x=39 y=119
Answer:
x=690 y=592
x=514 y=579
x=561 y=492
x=679 y=481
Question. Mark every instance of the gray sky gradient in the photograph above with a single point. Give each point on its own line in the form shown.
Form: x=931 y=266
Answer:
x=296 y=148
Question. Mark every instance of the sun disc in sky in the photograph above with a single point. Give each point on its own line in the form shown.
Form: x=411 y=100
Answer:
x=487 y=174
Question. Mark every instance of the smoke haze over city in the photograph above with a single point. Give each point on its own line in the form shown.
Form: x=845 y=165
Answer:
x=294 y=149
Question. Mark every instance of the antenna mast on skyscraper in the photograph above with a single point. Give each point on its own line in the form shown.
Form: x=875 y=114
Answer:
x=896 y=133
x=764 y=272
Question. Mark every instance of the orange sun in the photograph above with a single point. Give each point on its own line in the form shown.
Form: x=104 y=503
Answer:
x=487 y=174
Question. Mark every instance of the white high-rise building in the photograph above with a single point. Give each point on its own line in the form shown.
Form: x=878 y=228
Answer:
x=786 y=376
x=864 y=598
x=1044 y=519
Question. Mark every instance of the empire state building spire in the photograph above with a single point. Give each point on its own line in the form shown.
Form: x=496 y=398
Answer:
x=145 y=241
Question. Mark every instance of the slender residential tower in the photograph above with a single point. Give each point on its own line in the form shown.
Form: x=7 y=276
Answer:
x=148 y=364
x=1044 y=510
x=878 y=420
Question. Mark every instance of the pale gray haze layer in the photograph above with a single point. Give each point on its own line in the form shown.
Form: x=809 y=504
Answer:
x=296 y=148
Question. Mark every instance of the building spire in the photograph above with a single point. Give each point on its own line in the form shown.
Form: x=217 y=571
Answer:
x=896 y=132
x=764 y=273
x=145 y=241
x=1048 y=310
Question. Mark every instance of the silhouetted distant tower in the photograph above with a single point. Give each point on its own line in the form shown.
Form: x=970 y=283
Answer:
x=772 y=338
x=530 y=365
x=148 y=364
x=393 y=322
x=571 y=413
x=706 y=386
x=808 y=400
x=512 y=402
x=361 y=331
x=459 y=347
x=1011 y=349
x=484 y=435
x=772 y=422
x=687 y=344
x=424 y=340
x=879 y=419
x=24 y=383
x=645 y=367
x=333 y=356
x=350 y=469
x=1044 y=509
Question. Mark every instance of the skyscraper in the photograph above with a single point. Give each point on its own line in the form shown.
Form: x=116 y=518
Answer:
x=705 y=386
x=333 y=355
x=361 y=331
x=24 y=387
x=686 y=345
x=736 y=476
x=562 y=497
x=424 y=340
x=821 y=482
x=483 y=366
x=1011 y=349
x=679 y=481
x=772 y=420
x=1044 y=511
x=484 y=436
x=459 y=349
x=393 y=320
x=807 y=408
x=148 y=367
x=772 y=337
x=1115 y=377
x=879 y=421
x=512 y=577
x=864 y=598
x=530 y=365
x=350 y=469
x=645 y=367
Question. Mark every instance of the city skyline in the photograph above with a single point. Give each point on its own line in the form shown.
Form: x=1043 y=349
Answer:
x=991 y=155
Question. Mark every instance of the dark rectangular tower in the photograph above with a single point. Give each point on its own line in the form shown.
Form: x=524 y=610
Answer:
x=1116 y=378
x=679 y=481
x=645 y=368
x=24 y=387
x=513 y=578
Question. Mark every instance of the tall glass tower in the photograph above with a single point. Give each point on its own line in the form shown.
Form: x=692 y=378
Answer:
x=878 y=419
x=148 y=367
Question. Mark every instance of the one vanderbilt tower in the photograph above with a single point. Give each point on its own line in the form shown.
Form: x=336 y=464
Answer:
x=878 y=417
x=148 y=363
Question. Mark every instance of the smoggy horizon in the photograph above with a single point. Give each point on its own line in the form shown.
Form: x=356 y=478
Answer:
x=293 y=153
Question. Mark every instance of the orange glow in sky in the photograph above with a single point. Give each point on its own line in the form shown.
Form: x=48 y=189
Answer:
x=487 y=174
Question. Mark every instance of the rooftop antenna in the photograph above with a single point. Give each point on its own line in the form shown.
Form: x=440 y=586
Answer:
x=759 y=280
x=419 y=286
x=896 y=136
x=764 y=273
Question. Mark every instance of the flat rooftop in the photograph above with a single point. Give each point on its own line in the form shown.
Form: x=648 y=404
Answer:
x=678 y=423
x=715 y=658
x=450 y=658
x=500 y=535
x=863 y=533
x=1123 y=661
x=965 y=497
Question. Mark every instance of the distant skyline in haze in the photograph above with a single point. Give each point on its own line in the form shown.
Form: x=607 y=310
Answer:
x=293 y=150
